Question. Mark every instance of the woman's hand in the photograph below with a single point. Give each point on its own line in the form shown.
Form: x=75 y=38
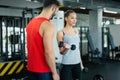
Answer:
x=67 y=46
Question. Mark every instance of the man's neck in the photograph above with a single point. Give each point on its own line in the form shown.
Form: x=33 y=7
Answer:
x=45 y=14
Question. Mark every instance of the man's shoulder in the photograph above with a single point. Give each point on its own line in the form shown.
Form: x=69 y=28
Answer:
x=47 y=23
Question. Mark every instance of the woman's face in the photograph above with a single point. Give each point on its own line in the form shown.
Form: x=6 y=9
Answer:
x=71 y=19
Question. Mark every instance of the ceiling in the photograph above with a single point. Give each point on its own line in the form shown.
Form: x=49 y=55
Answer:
x=20 y=4
x=111 y=8
x=92 y=3
x=112 y=5
x=89 y=4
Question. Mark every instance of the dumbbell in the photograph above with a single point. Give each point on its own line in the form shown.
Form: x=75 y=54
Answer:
x=61 y=44
x=98 y=77
x=85 y=69
x=73 y=47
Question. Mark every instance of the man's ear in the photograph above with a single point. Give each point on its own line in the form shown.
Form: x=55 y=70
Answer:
x=54 y=8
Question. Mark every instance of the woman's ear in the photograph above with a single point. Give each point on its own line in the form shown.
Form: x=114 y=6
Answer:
x=65 y=18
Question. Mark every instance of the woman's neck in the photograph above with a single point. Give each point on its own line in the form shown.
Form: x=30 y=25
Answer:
x=68 y=27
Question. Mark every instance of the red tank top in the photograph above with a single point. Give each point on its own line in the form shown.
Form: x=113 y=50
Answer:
x=36 y=53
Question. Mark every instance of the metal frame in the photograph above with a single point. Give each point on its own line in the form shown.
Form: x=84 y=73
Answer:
x=83 y=31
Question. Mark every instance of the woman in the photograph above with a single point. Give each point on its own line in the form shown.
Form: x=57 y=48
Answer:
x=71 y=61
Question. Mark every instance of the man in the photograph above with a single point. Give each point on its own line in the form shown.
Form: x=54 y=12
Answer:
x=40 y=31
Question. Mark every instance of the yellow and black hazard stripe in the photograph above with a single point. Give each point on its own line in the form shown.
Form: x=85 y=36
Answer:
x=9 y=68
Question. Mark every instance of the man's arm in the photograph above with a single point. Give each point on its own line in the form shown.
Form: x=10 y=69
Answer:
x=48 y=32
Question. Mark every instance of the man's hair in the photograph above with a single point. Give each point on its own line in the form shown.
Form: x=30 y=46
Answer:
x=49 y=3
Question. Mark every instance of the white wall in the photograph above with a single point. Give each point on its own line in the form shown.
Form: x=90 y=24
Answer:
x=58 y=22
x=10 y=12
x=82 y=20
x=115 y=31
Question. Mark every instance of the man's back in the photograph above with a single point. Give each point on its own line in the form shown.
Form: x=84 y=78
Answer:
x=41 y=57
x=36 y=53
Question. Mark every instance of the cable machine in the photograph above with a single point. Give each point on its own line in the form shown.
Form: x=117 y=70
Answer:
x=13 y=52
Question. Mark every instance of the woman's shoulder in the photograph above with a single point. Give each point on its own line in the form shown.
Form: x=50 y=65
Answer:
x=76 y=31
x=60 y=31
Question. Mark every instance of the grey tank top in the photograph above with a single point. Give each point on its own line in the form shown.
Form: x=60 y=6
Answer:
x=71 y=56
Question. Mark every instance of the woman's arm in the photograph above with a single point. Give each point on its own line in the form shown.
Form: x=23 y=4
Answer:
x=66 y=46
x=81 y=63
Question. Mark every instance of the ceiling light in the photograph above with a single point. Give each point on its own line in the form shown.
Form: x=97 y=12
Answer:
x=28 y=0
x=108 y=11
x=82 y=8
x=34 y=0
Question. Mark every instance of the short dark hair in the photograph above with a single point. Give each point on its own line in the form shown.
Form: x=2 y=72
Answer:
x=68 y=12
x=49 y=3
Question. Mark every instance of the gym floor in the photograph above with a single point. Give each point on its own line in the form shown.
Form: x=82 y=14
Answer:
x=109 y=69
